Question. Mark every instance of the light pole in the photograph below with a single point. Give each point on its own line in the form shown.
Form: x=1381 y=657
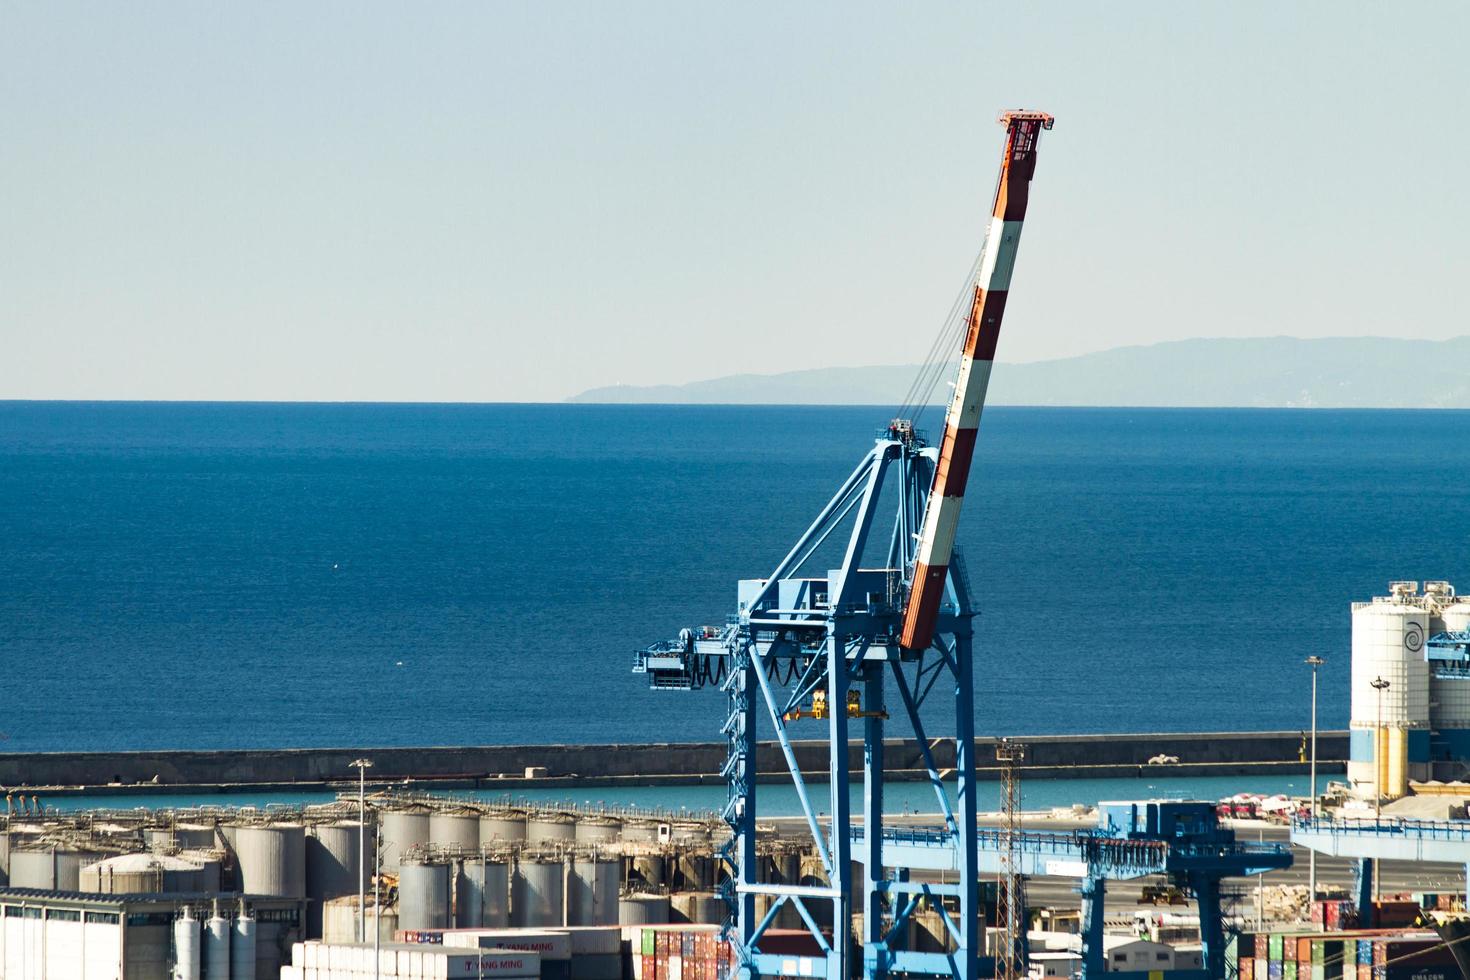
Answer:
x=362 y=766
x=1314 y=662
x=1380 y=685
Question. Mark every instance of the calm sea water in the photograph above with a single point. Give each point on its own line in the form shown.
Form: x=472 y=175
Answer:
x=220 y=575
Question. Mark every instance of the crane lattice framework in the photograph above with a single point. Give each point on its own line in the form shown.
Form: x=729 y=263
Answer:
x=840 y=645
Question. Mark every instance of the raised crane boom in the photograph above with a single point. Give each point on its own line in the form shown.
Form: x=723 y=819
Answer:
x=962 y=423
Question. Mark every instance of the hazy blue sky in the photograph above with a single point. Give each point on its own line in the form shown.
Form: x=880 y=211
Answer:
x=498 y=201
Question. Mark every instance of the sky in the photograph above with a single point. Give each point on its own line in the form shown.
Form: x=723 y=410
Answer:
x=518 y=201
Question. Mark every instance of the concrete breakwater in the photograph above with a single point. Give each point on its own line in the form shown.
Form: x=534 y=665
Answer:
x=515 y=766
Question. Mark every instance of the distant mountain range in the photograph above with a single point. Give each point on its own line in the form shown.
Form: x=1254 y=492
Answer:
x=1264 y=372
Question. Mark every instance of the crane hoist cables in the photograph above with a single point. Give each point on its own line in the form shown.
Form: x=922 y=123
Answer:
x=943 y=349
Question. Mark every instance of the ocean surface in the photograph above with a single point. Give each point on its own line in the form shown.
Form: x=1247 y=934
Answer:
x=229 y=575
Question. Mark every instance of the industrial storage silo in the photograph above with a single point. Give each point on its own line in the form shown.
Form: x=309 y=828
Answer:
x=698 y=908
x=4 y=858
x=131 y=874
x=455 y=830
x=50 y=867
x=538 y=892
x=186 y=947
x=640 y=831
x=505 y=825
x=334 y=866
x=598 y=830
x=592 y=891
x=643 y=910
x=1449 y=698
x=423 y=893
x=551 y=828
x=242 y=946
x=272 y=859
x=482 y=894
x=1388 y=646
x=217 y=947
x=402 y=830
x=652 y=868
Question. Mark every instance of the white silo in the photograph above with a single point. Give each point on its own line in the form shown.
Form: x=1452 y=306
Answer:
x=1449 y=696
x=1388 y=647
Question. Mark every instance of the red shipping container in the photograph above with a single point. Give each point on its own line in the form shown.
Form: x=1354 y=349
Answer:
x=1365 y=971
x=1248 y=968
x=1303 y=949
x=649 y=969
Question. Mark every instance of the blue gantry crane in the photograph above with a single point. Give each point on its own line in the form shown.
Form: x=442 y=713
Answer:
x=884 y=626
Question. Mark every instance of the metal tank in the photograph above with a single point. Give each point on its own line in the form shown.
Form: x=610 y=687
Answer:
x=4 y=858
x=402 y=830
x=690 y=834
x=210 y=876
x=131 y=874
x=1449 y=698
x=185 y=836
x=242 y=947
x=272 y=859
x=598 y=830
x=592 y=891
x=423 y=894
x=697 y=908
x=455 y=830
x=186 y=947
x=217 y=948
x=333 y=867
x=652 y=868
x=643 y=910
x=507 y=826
x=538 y=892
x=1388 y=639
x=640 y=831
x=693 y=871
x=551 y=828
x=482 y=894
x=51 y=868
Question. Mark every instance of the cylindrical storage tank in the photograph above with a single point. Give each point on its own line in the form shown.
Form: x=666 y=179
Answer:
x=455 y=830
x=697 y=908
x=643 y=910
x=217 y=948
x=50 y=868
x=1388 y=645
x=339 y=921
x=423 y=894
x=242 y=948
x=538 y=892
x=402 y=831
x=209 y=874
x=272 y=859
x=690 y=834
x=598 y=830
x=136 y=874
x=550 y=828
x=4 y=858
x=592 y=892
x=482 y=894
x=696 y=872
x=640 y=831
x=503 y=825
x=652 y=868
x=333 y=867
x=1396 y=763
x=186 y=947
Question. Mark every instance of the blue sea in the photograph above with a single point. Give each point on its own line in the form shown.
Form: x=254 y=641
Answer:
x=231 y=575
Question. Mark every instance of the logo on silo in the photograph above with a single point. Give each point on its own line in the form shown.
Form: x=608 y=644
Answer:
x=1413 y=637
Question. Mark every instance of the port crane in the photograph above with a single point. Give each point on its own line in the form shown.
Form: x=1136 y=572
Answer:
x=880 y=634
x=833 y=644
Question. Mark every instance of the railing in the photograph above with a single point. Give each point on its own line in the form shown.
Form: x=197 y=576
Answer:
x=1432 y=829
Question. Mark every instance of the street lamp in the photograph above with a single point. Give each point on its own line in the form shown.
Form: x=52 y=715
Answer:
x=1379 y=685
x=362 y=766
x=1314 y=662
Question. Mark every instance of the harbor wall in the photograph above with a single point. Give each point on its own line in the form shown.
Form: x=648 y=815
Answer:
x=511 y=766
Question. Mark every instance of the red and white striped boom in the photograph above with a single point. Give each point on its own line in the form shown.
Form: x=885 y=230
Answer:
x=962 y=423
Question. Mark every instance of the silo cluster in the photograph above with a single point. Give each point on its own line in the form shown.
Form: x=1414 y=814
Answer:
x=1410 y=719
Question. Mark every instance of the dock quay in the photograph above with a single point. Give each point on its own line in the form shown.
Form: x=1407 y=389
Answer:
x=649 y=763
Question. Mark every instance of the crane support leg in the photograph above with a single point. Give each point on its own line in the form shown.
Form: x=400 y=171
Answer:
x=839 y=828
x=1094 y=962
x=971 y=928
x=875 y=959
x=1206 y=890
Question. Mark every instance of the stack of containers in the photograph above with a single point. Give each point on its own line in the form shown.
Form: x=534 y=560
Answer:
x=677 y=952
x=1356 y=955
x=405 y=961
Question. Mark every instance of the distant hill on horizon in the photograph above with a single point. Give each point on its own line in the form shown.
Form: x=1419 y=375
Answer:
x=1262 y=372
